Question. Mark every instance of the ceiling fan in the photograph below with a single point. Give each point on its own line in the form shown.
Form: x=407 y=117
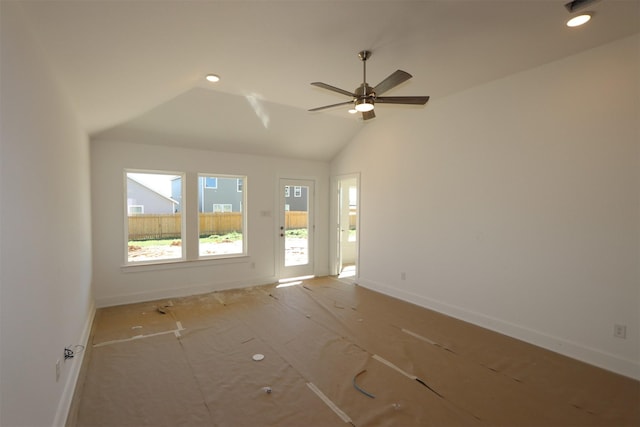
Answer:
x=364 y=97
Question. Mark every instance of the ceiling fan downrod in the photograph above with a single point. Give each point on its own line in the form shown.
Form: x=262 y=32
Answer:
x=364 y=55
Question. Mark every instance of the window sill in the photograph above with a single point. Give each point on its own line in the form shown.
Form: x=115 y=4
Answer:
x=181 y=263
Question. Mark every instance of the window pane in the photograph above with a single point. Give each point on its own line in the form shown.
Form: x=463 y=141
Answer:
x=154 y=222
x=136 y=209
x=221 y=215
x=353 y=214
x=296 y=228
x=211 y=182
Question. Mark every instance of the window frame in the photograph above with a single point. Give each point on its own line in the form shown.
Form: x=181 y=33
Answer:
x=189 y=222
x=243 y=213
x=183 y=256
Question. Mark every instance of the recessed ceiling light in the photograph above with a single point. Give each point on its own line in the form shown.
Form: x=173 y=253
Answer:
x=212 y=78
x=576 y=21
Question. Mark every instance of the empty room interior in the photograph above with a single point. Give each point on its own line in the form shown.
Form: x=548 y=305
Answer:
x=322 y=213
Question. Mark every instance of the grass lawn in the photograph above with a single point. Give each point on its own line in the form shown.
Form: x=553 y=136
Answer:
x=215 y=238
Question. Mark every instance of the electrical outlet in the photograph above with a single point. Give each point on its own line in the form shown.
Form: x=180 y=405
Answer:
x=620 y=331
x=57 y=370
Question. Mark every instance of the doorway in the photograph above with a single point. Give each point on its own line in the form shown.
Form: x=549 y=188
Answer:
x=347 y=226
x=296 y=228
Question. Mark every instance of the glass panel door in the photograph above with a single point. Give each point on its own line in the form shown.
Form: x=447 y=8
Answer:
x=296 y=228
x=347 y=250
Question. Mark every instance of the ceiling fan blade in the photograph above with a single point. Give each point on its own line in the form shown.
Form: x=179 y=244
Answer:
x=366 y=115
x=392 y=81
x=333 y=88
x=331 y=106
x=417 y=100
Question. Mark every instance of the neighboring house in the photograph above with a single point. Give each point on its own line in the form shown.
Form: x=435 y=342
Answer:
x=143 y=200
x=295 y=198
x=221 y=194
x=215 y=194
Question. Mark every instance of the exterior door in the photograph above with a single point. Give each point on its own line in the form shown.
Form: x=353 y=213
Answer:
x=347 y=226
x=296 y=227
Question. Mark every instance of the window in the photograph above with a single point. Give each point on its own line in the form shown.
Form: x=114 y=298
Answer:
x=297 y=191
x=353 y=213
x=222 y=221
x=155 y=227
x=210 y=182
x=135 y=209
x=153 y=222
x=219 y=207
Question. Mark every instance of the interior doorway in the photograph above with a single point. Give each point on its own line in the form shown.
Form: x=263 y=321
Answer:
x=347 y=226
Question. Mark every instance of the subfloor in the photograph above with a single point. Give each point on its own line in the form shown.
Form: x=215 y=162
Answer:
x=334 y=354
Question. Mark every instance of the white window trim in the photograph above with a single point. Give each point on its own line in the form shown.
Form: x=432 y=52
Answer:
x=171 y=264
x=243 y=202
x=190 y=257
x=128 y=263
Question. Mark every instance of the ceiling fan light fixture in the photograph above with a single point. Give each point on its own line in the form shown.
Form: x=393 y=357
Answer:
x=352 y=111
x=363 y=106
x=576 y=21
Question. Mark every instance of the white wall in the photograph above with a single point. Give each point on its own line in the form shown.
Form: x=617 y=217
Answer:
x=515 y=205
x=116 y=285
x=45 y=273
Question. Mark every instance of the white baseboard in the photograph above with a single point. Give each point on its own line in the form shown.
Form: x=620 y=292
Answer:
x=72 y=379
x=181 y=292
x=571 y=349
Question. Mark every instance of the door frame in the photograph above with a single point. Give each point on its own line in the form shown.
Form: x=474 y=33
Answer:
x=298 y=270
x=335 y=226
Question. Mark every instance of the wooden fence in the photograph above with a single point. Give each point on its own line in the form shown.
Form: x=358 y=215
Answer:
x=295 y=219
x=154 y=227
x=220 y=223
x=168 y=226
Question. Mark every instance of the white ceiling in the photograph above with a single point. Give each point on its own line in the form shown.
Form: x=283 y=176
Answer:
x=135 y=69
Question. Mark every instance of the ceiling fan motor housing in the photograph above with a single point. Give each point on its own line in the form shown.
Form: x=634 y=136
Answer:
x=364 y=91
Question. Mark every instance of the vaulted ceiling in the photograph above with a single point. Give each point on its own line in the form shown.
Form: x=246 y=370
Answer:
x=134 y=70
